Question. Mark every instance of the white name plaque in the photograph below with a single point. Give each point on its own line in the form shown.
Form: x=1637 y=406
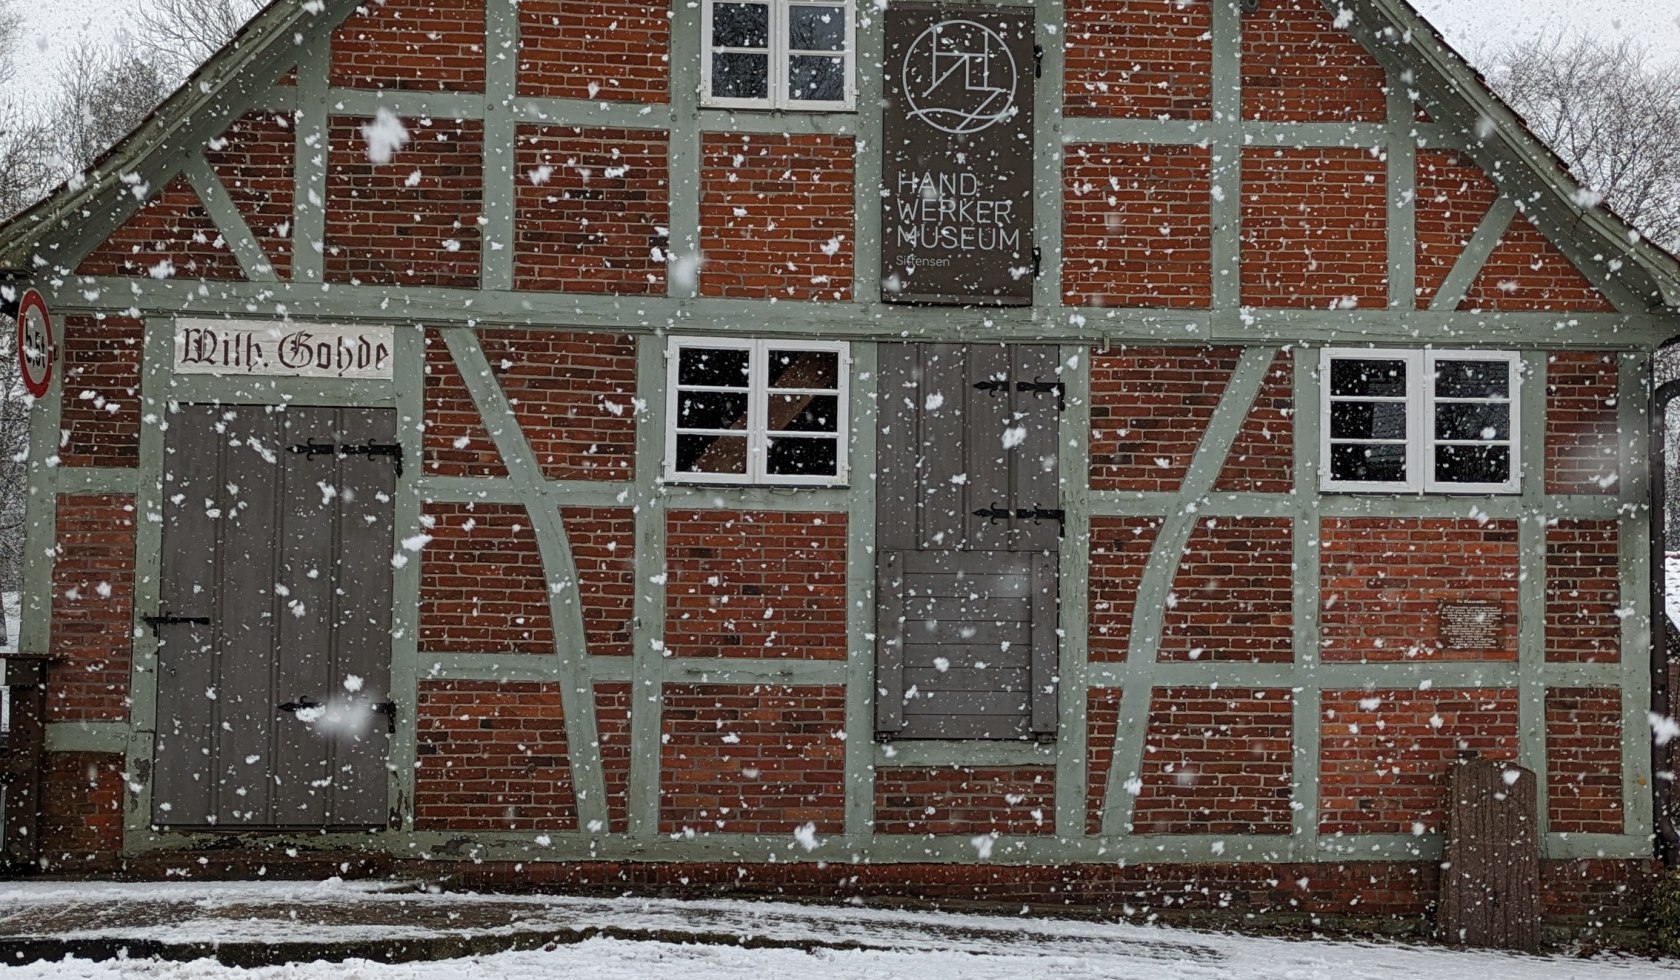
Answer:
x=283 y=350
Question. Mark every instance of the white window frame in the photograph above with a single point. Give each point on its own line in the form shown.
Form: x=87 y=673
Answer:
x=779 y=56
x=758 y=410
x=1420 y=421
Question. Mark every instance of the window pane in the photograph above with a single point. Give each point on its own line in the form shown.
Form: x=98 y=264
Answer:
x=805 y=413
x=1368 y=464
x=720 y=368
x=711 y=410
x=1473 y=464
x=817 y=28
x=813 y=78
x=1473 y=421
x=711 y=454
x=741 y=25
x=804 y=369
x=740 y=76
x=1370 y=378
x=1367 y=420
x=803 y=457
x=1472 y=379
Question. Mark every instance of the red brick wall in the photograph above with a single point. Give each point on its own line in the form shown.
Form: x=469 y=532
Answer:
x=1139 y=59
x=387 y=226
x=603 y=542
x=170 y=237
x=609 y=50
x=1583 y=592
x=758 y=584
x=1216 y=762
x=1526 y=272
x=1136 y=226
x=1298 y=65
x=1583 y=446
x=1383 y=582
x=966 y=800
x=492 y=757
x=1315 y=228
x=1385 y=754
x=92 y=609
x=482 y=588
x=99 y=417
x=1453 y=196
x=254 y=160
x=455 y=442
x=593 y=210
x=1233 y=597
x=573 y=394
x=612 y=722
x=1584 y=761
x=752 y=759
x=1262 y=458
x=1149 y=409
x=1120 y=549
x=776 y=216
x=412 y=44
x=1102 y=722
x=81 y=811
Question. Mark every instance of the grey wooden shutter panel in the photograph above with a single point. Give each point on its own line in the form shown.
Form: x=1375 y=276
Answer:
x=967 y=490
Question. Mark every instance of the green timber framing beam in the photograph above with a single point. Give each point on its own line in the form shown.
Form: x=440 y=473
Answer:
x=856 y=321
x=1634 y=547
x=647 y=628
x=406 y=663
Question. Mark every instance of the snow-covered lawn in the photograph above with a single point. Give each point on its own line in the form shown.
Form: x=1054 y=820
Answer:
x=896 y=944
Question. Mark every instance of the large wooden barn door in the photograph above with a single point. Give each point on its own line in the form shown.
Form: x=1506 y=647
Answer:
x=274 y=619
x=969 y=529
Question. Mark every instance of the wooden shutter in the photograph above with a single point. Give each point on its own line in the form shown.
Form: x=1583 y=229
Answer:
x=968 y=530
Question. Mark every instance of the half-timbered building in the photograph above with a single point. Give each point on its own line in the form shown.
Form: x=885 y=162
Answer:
x=1107 y=452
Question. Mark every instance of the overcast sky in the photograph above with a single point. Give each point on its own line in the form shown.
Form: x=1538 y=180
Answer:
x=1475 y=27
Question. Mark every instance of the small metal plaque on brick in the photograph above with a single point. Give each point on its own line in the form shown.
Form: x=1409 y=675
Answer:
x=1471 y=625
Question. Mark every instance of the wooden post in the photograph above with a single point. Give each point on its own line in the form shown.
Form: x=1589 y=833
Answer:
x=1490 y=882
x=22 y=753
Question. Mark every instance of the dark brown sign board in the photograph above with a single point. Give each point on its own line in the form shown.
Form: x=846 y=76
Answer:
x=957 y=200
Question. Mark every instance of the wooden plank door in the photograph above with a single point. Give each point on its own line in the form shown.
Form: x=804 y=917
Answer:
x=274 y=618
x=968 y=531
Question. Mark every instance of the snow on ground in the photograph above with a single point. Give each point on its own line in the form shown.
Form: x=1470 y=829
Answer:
x=900 y=944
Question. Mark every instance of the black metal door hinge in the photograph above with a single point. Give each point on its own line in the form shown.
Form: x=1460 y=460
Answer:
x=1046 y=388
x=996 y=386
x=170 y=619
x=1038 y=262
x=301 y=704
x=370 y=449
x=1038 y=61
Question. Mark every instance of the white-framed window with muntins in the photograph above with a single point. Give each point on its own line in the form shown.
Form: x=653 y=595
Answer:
x=779 y=54
x=769 y=412
x=1421 y=421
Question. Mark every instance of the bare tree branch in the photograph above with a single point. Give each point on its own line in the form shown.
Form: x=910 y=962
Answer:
x=183 y=34
x=1613 y=117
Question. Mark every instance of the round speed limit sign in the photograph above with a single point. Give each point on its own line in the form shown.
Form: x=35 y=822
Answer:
x=35 y=343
